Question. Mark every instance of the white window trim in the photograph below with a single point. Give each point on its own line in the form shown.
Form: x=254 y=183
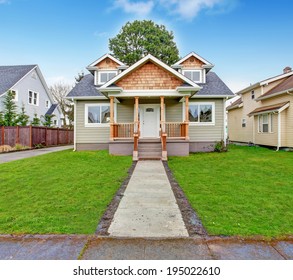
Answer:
x=48 y=104
x=201 y=123
x=243 y=121
x=38 y=98
x=86 y=110
x=16 y=94
x=201 y=80
x=270 y=126
x=105 y=71
x=56 y=122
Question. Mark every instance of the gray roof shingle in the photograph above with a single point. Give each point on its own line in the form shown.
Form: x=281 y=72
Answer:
x=51 y=109
x=85 y=87
x=214 y=86
x=10 y=75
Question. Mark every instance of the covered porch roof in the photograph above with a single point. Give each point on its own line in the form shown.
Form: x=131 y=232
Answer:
x=270 y=108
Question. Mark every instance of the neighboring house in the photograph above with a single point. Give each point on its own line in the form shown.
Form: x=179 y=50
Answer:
x=30 y=90
x=262 y=114
x=150 y=109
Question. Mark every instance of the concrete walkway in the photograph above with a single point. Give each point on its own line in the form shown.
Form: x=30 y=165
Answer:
x=7 y=157
x=86 y=247
x=148 y=207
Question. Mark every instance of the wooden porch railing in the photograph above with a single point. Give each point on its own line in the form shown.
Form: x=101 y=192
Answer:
x=122 y=130
x=175 y=129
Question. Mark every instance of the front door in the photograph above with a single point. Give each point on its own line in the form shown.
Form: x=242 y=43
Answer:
x=150 y=120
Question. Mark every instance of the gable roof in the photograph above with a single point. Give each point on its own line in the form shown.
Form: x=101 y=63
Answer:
x=51 y=109
x=142 y=61
x=283 y=87
x=85 y=88
x=214 y=86
x=107 y=55
x=195 y=55
x=10 y=75
x=236 y=104
x=271 y=108
x=265 y=82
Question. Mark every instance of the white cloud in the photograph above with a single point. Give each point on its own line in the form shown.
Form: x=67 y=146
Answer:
x=4 y=1
x=139 y=8
x=101 y=34
x=188 y=9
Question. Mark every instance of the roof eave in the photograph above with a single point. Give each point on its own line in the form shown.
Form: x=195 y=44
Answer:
x=287 y=91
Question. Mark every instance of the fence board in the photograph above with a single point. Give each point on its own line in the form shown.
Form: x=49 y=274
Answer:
x=11 y=135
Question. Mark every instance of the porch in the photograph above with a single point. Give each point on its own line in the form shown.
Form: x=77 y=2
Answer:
x=151 y=134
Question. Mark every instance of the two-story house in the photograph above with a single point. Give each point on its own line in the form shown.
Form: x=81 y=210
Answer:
x=30 y=90
x=150 y=109
x=262 y=114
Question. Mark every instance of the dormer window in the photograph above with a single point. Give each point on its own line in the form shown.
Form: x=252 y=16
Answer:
x=193 y=75
x=105 y=76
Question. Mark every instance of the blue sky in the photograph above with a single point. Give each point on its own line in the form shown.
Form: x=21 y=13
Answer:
x=246 y=40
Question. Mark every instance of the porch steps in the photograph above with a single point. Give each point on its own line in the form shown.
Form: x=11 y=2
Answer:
x=149 y=149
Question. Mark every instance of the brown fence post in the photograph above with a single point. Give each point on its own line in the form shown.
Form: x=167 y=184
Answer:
x=57 y=136
x=67 y=136
x=17 y=135
x=46 y=144
x=31 y=136
x=3 y=135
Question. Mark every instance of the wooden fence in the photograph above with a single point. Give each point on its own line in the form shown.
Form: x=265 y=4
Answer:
x=31 y=136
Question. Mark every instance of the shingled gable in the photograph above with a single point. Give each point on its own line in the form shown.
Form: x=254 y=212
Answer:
x=150 y=73
x=193 y=60
x=107 y=61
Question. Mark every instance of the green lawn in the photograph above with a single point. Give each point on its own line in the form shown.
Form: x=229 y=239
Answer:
x=62 y=192
x=246 y=191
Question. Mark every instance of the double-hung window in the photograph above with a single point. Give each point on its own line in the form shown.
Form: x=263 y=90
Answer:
x=265 y=123
x=193 y=75
x=33 y=98
x=105 y=76
x=202 y=113
x=97 y=114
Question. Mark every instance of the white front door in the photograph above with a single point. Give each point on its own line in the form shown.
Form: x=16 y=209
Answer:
x=150 y=120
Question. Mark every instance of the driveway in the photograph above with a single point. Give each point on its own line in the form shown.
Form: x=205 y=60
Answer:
x=7 y=157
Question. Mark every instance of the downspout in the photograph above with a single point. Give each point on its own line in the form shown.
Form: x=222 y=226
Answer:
x=253 y=130
x=74 y=132
x=225 y=121
x=279 y=131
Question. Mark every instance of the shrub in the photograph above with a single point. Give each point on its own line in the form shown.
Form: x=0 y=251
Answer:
x=220 y=147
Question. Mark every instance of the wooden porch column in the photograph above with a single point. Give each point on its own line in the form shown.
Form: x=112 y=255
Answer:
x=162 y=115
x=111 y=117
x=186 y=116
x=136 y=130
x=163 y=130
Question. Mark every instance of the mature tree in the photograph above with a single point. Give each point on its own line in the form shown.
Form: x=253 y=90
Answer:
x=22 y=118
x=47 y=120
x=36 y=121
x=59 y=92
x=139 y=38
x=1 y=119
x=10 y=109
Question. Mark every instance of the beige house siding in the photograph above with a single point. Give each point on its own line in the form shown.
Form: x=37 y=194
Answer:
x=235 y=130
x=88 y=135
x=267 y=138
x=125 y=111
x=286 y=118
x=237 y=133
x=206 y=133
x=173 y=111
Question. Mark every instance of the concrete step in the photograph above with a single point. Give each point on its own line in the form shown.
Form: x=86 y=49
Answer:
x=149 y=149
x=150 y=155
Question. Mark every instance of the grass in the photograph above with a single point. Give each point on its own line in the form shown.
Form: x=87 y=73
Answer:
x=247 y=191
x=62 y=192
